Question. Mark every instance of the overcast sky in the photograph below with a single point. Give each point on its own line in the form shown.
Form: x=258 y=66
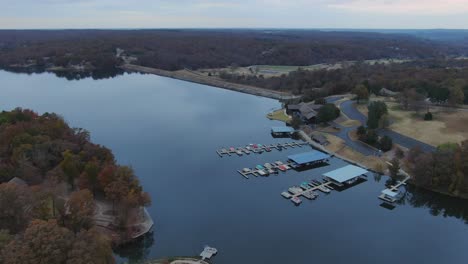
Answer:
x=233 y=14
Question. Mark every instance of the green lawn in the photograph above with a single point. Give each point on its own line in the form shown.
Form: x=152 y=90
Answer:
x=279 y=115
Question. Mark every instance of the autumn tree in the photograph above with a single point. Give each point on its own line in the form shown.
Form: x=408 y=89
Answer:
x=376 y=111
x=14 y=200
x=456 y=95
x=70 y=167
x=42 y=242
x=361 y=92
x=394 y=168
x=90 y=247
x=89 y=176
x=81 y=208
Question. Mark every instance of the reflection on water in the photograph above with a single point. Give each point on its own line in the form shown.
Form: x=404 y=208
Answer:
x=137 y=250
x=168 y=131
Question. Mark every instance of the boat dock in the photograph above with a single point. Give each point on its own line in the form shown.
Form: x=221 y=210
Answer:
x=298 y=161
x=307 y=190
x=267 y=169
x=258 y=148
x=393 y=194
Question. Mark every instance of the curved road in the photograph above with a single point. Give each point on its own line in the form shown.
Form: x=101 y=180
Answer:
x=348 y=109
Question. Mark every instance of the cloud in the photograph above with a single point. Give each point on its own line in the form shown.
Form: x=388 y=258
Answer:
x=405 y=7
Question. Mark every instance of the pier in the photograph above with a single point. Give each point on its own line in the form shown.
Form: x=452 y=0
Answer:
x=258 y=148
x=393 y=194
x=267 y=169
x=297 y=161
x=307 y=190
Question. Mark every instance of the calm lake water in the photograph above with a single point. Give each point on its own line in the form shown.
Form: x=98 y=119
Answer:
x=168 y=130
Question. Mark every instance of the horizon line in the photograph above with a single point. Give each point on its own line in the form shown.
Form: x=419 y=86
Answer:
x=235 y=28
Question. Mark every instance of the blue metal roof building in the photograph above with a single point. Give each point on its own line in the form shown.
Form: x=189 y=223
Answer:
x=309 y=157
x=345 y=174
x=282 y=130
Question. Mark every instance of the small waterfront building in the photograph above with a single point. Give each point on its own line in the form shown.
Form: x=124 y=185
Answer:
x=321 y=139
x=282 y=131
x=309 y=158
x=208 y=252
x=345 y=175
x=390 y=196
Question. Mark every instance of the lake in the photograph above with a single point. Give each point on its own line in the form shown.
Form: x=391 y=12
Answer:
x=168 y=131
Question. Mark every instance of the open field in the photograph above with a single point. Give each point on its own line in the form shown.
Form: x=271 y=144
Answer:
x=447 y=126
x=278 y=70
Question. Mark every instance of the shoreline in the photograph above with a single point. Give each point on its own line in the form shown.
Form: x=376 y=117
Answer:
x=190 y=76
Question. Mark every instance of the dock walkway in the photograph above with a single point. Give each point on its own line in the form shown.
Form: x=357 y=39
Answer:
x=258 y=148
x=309 y=192
x=275 y=166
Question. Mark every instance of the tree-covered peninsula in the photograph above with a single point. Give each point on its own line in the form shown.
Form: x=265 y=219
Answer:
x=63 y=199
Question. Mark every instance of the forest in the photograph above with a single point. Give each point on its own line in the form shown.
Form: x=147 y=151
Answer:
x=430 y=78
x=445 y=170
x=51 y=177
x=194 y=49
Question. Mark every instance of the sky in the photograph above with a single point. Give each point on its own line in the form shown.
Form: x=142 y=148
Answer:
x=382 y=14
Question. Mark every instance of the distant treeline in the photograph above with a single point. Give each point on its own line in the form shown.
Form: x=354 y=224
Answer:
x=432 y=78
x=194 y=49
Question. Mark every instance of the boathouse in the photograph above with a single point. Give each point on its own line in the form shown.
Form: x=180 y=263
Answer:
x=309 y=158
x=346 y=175
x=390 y=196
x=208 y=252
x=282 y=131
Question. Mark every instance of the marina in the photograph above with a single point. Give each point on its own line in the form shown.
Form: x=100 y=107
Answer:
x=258 y=148
x=342 y=177
x=297 y=161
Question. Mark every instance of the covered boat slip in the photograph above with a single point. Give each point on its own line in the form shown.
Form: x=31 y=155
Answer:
x=282 y=131
x=309 y=158
x=345 y=175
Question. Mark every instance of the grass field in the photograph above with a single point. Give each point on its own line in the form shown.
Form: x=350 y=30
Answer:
x=279 y=115
x=447 y=126
x=338 y=146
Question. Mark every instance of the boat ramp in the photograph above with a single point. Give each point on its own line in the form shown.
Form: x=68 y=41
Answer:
x=258 y=148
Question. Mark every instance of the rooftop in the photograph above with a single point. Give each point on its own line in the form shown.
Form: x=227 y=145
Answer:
x=308 y=157
x=346 y=173
x=284 y=129
x=390 y=193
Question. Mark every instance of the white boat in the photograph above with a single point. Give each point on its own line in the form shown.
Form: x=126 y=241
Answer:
x=286 y=195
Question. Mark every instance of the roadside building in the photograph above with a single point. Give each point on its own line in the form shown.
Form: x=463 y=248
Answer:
x=306 y=111
x=18 y=181
x=387 y=92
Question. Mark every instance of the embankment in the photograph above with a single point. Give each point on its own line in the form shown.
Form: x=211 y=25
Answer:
x=195 y=77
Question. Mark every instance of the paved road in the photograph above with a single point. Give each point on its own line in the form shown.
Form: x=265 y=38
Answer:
x=348 y=109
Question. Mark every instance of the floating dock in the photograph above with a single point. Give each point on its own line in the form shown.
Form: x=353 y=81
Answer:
x=258 y=148
x=393 y=194
x=267 y=170
x=295 y=162
x=307 y=190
